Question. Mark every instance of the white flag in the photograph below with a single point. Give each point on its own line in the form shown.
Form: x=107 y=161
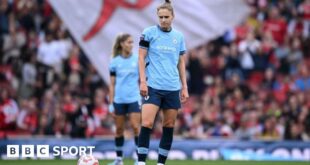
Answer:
x=95 y=23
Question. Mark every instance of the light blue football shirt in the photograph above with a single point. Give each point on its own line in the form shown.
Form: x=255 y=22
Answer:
x=126 y=78
x=164 y=50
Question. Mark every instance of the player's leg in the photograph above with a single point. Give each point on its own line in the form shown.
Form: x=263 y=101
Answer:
x=148 y=115
x=169 y=118
x=135 y=119
x=149 y=110
x=119 y=138
x=120 y=119
x=171 y=104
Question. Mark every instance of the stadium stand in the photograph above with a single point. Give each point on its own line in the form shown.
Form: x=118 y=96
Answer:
x=253 y=82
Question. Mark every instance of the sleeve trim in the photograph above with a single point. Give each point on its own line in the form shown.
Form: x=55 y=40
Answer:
x=112 y=73
x=182 y=52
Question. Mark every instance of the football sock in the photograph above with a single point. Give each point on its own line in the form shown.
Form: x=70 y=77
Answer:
x=143 y=144
x=165 y=144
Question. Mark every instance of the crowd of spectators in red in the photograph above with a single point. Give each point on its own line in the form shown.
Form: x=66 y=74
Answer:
x=253 y=82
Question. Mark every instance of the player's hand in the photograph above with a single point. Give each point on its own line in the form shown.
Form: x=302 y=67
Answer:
x=143 y=89
x=111 y=109
x=184 y=95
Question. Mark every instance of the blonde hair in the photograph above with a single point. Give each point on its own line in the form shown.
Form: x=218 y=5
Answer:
x=166 y=5
x=117 y=47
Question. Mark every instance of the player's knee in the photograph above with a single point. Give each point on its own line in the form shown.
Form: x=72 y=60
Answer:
x=135 y=127
x=147 y=124
x=119 y=131
x=169 y=123
x=136 y=130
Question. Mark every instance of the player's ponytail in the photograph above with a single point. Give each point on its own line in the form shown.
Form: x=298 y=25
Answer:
x=167 y=5
x=117 y=47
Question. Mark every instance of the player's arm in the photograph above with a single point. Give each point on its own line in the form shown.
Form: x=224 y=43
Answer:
x=144 y=45
x=112 y=91
x=142 y=55
x=111 y=88
x=182 y=73
x=143 y=85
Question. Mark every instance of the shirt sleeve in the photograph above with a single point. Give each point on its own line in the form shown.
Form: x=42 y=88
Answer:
x=145 y=39
x=112 y=68
x=182 y=46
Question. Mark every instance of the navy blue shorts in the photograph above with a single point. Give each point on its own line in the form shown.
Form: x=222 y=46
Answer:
x=163 y=99
x=125 y=108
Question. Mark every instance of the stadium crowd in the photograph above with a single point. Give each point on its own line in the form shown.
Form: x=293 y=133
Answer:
x=251 y=83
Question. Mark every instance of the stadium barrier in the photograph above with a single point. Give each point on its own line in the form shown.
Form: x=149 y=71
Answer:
x=181 y=149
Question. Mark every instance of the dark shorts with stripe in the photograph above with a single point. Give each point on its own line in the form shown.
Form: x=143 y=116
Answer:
x=163 y=99
x=126 y=108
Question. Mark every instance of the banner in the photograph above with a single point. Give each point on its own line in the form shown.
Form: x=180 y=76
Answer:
x=181 y=149
x=236 y=154
x=95 y=23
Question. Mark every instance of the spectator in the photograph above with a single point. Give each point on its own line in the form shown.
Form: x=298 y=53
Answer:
x=303 y=82
x=29 y=76
x=248 y=49
x=276 y=25
x=28 y=117
x=8 y=111
x=270 y=129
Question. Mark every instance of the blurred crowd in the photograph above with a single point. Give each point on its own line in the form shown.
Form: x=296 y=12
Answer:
x=253 y=82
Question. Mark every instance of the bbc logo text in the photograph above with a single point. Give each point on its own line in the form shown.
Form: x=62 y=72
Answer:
x=45 y=151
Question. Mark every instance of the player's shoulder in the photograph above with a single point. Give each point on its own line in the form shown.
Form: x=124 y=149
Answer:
x=115 y=59
x=150 y=29
x=177 y=32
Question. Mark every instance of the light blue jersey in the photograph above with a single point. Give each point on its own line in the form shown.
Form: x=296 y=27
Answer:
x=126 y=78
x=164 y=50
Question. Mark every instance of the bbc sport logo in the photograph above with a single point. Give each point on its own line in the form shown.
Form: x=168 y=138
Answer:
x=45 y=151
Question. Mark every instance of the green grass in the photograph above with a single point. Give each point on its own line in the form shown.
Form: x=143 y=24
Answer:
x=130 y=162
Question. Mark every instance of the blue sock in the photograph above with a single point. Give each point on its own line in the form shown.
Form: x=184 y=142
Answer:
x=136 y=143
x=144 y=142
x=165 y=144
x=136 y=140
x=119 y=142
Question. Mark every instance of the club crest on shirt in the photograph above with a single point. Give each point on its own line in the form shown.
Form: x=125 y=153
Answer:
x=175 y=41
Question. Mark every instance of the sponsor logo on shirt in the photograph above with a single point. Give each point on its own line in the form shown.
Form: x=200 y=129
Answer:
x=166 y=48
